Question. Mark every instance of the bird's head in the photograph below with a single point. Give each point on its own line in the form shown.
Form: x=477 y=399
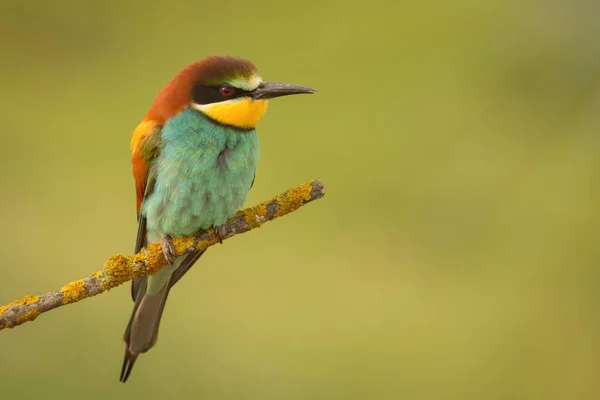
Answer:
x=228 y=90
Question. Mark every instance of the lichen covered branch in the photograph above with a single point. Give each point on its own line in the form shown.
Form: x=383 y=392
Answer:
x=120 y=269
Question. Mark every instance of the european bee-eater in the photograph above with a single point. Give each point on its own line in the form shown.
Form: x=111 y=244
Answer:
x=194 y=157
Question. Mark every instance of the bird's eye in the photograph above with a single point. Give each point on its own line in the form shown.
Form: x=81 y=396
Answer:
x=226 y=91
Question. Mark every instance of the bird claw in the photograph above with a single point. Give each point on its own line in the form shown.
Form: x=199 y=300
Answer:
x=220 y=233
x=168 y=248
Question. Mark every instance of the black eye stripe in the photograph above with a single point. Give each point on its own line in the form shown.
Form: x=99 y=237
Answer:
x=202 y=94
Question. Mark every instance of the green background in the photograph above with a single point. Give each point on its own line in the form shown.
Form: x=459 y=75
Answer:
x=455 y=255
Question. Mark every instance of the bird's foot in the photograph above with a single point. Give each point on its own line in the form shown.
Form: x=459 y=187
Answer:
x=220 y=233
x=168 y=248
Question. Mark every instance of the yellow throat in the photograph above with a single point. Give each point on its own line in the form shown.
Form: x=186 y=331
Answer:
x=242 y=113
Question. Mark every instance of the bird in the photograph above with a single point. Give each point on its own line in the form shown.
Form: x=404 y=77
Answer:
x=194 y=158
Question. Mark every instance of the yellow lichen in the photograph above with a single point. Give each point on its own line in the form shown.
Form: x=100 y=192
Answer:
x=255 y=216
x=289 y=201
x=155 y=256
x=29 y=315
x=115 y=271
x=25 y=301
x=182 y=244
x=73 y=292
x=293 y=199
x=205 y=244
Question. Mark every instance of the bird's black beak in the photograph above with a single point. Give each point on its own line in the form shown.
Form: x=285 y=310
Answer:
x=269 y=90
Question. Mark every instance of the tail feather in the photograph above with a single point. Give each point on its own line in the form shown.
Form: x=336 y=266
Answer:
x=141 y=333
x=142 y=330
x=128 y=362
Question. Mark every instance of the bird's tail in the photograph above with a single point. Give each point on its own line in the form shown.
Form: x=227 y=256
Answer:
x=142 y=330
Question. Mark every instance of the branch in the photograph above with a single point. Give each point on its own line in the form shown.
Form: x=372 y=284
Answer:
x=120 y=269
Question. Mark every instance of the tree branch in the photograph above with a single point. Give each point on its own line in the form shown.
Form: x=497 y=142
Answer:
x=120 y=269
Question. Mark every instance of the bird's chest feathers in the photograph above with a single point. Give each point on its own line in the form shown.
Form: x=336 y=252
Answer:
x=203 y=175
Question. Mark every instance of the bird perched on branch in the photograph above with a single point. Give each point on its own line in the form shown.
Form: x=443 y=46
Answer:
x=194 y=157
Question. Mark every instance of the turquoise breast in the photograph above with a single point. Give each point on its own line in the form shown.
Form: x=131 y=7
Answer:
x=202 y=175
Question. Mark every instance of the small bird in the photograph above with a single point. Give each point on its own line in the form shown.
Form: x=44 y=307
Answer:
x=194 y=159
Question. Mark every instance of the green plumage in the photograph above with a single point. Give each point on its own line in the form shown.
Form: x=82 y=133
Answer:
x=200 y=177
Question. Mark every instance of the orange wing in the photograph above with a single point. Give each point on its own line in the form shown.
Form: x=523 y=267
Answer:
x=144 y=148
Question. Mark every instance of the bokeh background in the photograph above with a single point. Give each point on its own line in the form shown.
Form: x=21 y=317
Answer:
x=455 y=255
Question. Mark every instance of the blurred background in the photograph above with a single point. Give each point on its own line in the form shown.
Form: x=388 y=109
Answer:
x=455 y=255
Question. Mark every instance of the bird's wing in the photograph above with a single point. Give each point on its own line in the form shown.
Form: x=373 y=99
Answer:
x=145 y=146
